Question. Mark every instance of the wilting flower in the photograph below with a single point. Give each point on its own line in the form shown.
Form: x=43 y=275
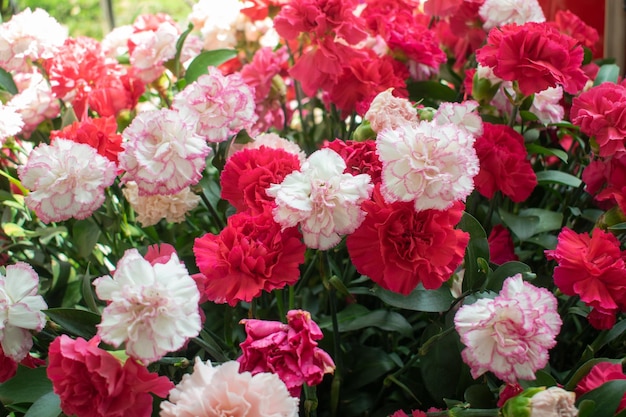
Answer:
x=151 y=209
x=163 y=155
x=12 y=122
x=220 y=106
x=511 y=334
x=600 y=373
x=541 y=402
x=20 y=310
x=152 y=306
x=398 y=248
x=323 y=200
x=502 y=12
x=389 y=112
x=250 y=255
x=91 y=382
x=287 y=350
x=208 y=391
x=66 y=179
x=431 y=165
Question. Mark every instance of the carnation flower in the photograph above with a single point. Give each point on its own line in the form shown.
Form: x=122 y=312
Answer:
x=249 y=172
x=91 y=382
x=152 y=43
x=572 y=25
x=212 y=391
x=536 y=55
x=250 y=255
x=546 y=105
x=399 y=248
x=322 y=199
x=162 y=154
x=218 y=25
x=431 y=165
x=35 y=101
x=219 y=105
x=462 y=115
x=12 y=122
x=503 y=164
x=501 y=249
x=541 y=402
x=360 y=157
x=28 y=37
x=511 y=334
x=101 y=134
x=66 y=179
x=502 y=12
x=287 y=350
x=600 y=373
x=151 y=209
x=20 y=310
x=270 y=140
x=152 y=307
x=389 y=112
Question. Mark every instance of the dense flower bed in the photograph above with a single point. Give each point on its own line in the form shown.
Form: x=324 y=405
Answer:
x=315 y=208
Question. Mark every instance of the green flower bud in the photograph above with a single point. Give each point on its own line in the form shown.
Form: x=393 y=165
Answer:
x=363 y=132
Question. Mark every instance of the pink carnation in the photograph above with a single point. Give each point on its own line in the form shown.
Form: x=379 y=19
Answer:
x=219 y=105
x=269 y=140
x=502 y=12
x=322 y=199
x=387 y=111
x=463 y=115
x=12 y=122
x=509 y=335
x=572 y=25
x=600 y=373
x=152 y=43
x=35 y=101
x=224 y=390
x=66 y=179
x=288 y=350
x=431 y=165
x=162 y=154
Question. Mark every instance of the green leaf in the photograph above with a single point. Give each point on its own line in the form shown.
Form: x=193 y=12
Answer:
x=607 y=397
x=619 y=226
x=543 y=379
x=200 y=64
x=382 y=319
x=366 y=364
x=431 y=91
x=7 y=83
x=558 y=177
x=27 y=386
x=477 y=247
x=496 y=278
x=535 y=149
x=48 y=405
x=85 y=235
x=528 y=116
x=608 y=336
x=420 y=299
x=479 y=396
x=607 y=73
x=78 y=322
x=531 y=222
x=179 y=48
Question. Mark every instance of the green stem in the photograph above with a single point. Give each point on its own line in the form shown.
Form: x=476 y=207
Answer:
x=466 y=412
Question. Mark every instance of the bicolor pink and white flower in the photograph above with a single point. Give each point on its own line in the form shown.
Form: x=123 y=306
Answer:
x=322 y=199
x=502 y=12
x=217 y=22
x=546 y=105
x=152 y=306
x=432 y=165
x=150 y=209
x=222 y=390
x=163 y=154
x=220 y=105
x=66 y=179
x=463 y=115
x=35 y=101
x=389 y=112
x=12 y=122
x=152 y=43
x=28 y=37
x=20 y=310
x=509 y=335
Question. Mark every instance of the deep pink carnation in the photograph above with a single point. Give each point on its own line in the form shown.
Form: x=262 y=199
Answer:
x=360 y=157
x=93 y=383
x=501 y=248
x=503 y=164
x=288 y=350
x=605 y=179
x=250 y=255
x=398 y=248
x=536 y=55
x=598 y=375
x=249 y=172
x=601 y=112
x=572 y=25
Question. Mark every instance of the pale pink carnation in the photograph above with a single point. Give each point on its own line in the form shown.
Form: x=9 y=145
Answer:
x=389 y=112
x=115 y=43
x=20 y=310
x=553 y=402
x=463 y=115
x=35 y=101
x=152 y=307
x=217 y=22
x=546 y=105
x=432 y=165
x=220 y=105
x=28 y=37
x=66 y=179
x=270 y=140
x=511 y=334
x=162 y=154
x=322 y=199
x=502 y=12
x=11 y=124
x=151 y=209
x=223 y=391
x=152 y=47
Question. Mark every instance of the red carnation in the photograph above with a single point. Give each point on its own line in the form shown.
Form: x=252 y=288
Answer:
x=93 y=383
x=501 y=248
x=101 y=134
x=606 y=180
x=598 y=375
x=503 y=164
x=250 y=255
x=360 y=157
x=249 y=172
x=572 y=25
x=536 y=55
x=398 y=247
